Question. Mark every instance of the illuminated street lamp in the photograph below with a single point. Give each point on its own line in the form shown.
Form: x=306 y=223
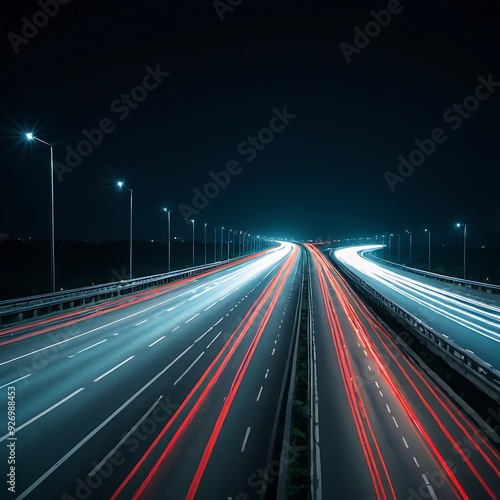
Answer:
x=31 y=137
x=192 y=220
x=390 y=245
x=215 y=244
x=228 y=243
x=410 y=234
x=168 y=218
x=121 y=185
x=429 y=232
x=399 y=248
x=221 y=242
x=459 y=225
x=239 y=244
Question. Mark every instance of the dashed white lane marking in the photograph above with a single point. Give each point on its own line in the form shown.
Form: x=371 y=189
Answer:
x=416 y=463
x=44 y=412
x=395 y=423
x=176 y=328
x=267 y=373
x=123 y=439
x=170 y=309
x=245 y=440
x=369 y=368
x=388 y=409
x=429 y=487
x=376 y=383
x=272 y=354
x=190 y=319
x=155 y=342
x=90 y=346
x=211 y=305
x=214 y=339
x=260 y=392
x=275 y=341
x=366 y=354
x=141 y=322
x=117 y=333
x=404 y=441
x=13 y=381
x=112 y=369
x=380 y=392
x=189 y=368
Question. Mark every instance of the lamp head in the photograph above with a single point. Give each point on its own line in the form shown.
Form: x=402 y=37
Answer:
x=29 y=136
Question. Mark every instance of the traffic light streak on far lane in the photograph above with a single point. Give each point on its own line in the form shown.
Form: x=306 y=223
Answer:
x=347 y=299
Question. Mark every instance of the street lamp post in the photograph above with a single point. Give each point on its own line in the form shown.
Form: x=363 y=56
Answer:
x=390 y=245
x=121 y=185
x=233 y=243
x=205 y=237
x=399 y=248
x=459 y=225
x=192 y=220
x=31 y=137
x=410 y=234
x=228 y=243
x=221 y=242
x=239 y=244
x=215 y=244
x=429 y=233
x=168 y=235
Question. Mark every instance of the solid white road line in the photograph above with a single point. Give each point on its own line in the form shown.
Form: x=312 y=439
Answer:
x=44 y=413
x=214 y=339
x=13 y=381
x=189 y=367
x=123 y=439
x=112 y=369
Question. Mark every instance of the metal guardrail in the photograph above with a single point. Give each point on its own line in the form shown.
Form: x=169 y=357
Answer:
x=478 y=285
x=475 y=369
x=15 y=310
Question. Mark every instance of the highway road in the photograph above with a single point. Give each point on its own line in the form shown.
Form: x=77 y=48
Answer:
x=170 y=393
x=470 y=321
x=381 y=428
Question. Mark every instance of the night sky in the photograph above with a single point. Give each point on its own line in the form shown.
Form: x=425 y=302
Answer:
x=321 y=173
